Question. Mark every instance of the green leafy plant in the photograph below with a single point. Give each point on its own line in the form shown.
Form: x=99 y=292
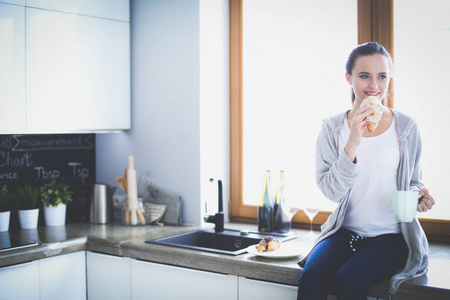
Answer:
x=5 y=200
x=55 y=194
x=26 y=197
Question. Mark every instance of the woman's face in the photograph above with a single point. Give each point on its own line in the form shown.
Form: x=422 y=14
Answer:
x=370 y=76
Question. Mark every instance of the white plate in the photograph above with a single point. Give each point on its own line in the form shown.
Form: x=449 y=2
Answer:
x=288 y=249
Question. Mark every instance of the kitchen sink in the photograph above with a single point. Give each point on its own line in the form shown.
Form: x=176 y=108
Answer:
x=229 y=241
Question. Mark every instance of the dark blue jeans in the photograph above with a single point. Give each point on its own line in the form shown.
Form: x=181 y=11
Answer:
x=346 y=265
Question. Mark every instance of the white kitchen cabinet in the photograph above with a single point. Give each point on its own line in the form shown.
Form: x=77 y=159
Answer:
x=20 y=281
x=63 y=277
x=77 y=72
x=12 y=68
x=108 y=277
x=250 y=289
x=111 y=9
x=157 y=281
x=17 y=2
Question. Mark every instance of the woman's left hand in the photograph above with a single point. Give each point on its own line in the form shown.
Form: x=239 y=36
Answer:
x=426 y=201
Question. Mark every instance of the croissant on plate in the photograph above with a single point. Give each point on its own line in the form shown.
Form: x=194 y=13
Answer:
x=268 y=243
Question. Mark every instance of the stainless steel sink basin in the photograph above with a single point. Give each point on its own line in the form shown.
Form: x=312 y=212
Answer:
x=232 y=242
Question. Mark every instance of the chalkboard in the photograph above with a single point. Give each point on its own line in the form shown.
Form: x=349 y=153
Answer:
x=39 y=159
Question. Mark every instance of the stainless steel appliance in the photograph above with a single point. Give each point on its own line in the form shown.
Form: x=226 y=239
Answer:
x=102 y=209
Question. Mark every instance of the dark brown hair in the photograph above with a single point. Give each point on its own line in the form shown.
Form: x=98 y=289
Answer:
x=370 y=48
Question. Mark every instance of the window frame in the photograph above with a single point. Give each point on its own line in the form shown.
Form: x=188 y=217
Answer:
x=375 y=23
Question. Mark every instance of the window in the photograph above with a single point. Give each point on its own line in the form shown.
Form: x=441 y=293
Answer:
x=293 y=59
x=294 y=54
x=285 y=44
x=422 y=45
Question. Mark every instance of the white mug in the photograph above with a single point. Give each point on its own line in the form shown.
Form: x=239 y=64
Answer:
x=405 y=204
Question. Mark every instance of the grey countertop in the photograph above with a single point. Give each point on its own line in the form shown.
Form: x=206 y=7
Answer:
x=119 y=240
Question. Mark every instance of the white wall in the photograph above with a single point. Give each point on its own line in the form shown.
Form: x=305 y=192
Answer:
x=167 y=137
x=214 y=100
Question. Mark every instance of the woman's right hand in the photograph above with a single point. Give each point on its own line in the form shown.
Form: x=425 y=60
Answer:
x=357 y=127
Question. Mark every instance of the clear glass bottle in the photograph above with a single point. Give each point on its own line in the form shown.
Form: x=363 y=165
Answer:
x=265 y=208
x=283 y=216
x=272 y=194
x=279 y=192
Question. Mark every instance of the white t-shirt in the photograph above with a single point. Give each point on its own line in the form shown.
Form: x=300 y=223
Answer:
x=370 y=212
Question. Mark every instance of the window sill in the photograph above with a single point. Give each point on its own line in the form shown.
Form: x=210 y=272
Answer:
x=435 y=229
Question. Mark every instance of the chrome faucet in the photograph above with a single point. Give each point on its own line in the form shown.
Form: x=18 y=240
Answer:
x=218 y=218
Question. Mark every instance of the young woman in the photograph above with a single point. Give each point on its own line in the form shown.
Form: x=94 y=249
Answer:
x=362 y=242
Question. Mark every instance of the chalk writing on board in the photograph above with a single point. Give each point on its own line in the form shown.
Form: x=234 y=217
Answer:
x=51 y=175
x=39 y=143
x=6 y=141
x=7 y=159
x=39 y=159
x=79 y=171
x=9 y=176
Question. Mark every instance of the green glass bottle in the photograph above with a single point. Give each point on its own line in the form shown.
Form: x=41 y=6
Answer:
x=265 y=208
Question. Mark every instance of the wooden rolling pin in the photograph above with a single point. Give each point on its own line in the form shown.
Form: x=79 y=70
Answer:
x=132 y=190
x=133 y=204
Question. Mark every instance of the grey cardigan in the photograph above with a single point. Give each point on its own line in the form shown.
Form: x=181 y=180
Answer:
x=335 y=174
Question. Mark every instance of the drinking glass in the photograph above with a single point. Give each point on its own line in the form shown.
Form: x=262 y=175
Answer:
x=311 y=212
x=292 y=211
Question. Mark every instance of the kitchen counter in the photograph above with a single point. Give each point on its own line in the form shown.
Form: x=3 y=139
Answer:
x=129 y=241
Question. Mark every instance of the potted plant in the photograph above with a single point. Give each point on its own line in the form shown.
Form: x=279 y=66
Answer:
x=55 y=197
x=5 y=210
x=27 y=200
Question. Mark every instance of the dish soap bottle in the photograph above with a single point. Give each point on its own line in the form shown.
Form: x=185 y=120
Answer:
x=265 y=208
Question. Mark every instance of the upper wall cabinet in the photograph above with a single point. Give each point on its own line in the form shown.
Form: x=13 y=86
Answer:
x=78 y=72
x=17 y=2
x=64 y=66
x=110 y=9
x=12 y=68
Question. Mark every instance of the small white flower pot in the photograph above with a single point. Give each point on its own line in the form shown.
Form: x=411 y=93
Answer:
x=4 y=220
x=55 y=215
x=28 y=218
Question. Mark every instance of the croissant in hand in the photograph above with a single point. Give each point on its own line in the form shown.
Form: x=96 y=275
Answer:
x=373 y=119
